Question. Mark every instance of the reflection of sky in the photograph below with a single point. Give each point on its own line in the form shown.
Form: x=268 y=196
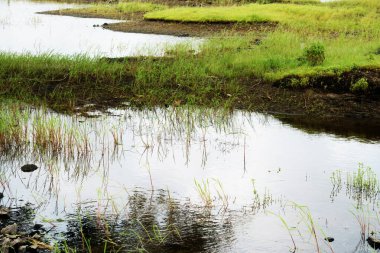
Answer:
x=306 y=163
x=21 y=30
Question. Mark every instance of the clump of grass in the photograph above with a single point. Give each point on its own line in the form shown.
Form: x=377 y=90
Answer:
x=314 y=54
x=361 y=184
x=13 y=127
x=203 y=189
x=360 y=85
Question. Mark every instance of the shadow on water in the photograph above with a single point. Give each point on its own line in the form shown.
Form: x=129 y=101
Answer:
x=359 y=129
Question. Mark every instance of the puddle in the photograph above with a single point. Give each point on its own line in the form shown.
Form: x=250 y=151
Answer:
x=24 y=31
x=213 y=176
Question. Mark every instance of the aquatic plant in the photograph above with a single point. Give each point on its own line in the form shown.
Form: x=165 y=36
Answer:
x=204 y=191
x=361 y=184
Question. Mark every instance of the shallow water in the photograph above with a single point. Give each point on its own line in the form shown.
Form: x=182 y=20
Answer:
x=158 y=156
x=24 y=31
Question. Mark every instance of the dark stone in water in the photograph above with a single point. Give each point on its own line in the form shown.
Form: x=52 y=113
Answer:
x=329 y=239
x=29 y=168
x=1 y=195
x=37 y=226
x=374 y=241
x=105 y=24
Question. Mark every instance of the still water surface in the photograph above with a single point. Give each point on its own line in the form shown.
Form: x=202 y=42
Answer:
x=24 y=31
x=168 y=151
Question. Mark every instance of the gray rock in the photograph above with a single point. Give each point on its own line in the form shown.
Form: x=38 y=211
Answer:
x=10 y=229
x=329 y=239
x=29 y=168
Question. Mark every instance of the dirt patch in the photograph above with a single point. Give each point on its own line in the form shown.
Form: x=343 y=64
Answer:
x=187 y=29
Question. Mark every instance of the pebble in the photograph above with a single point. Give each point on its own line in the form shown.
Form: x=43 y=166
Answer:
x=29 y=168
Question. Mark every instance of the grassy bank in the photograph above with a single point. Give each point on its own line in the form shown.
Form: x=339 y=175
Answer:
x=121 y=10
x=329 y=47
x=63 y=82
x=181 y=78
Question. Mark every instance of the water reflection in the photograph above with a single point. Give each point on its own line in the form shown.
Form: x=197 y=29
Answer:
x=233 y=156
x=24 y=31
x=150 y=223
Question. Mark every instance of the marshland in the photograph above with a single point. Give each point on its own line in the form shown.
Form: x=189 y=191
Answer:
x=189 y=126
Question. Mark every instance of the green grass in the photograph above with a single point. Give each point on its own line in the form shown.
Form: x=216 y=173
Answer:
x=346 y=30
x=319 y=17
x=344 y=33
x=64 y=82
x=121 y=10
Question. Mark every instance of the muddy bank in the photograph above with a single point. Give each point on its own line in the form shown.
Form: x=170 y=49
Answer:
x=136 y=24
x=266 y=97
x=88 y=14
x=186 y=29
x=365 y=81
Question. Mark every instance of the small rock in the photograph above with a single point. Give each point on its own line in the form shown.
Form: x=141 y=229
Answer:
x=329 y=239
x=4 y=213
x=374 y=241
x=1 y=195
x=36 y=236
x=105 y=24
x=22 y=249
x=29 y=168
x=9 y=230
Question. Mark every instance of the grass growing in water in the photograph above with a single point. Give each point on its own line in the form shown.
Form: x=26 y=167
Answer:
x=361 y=185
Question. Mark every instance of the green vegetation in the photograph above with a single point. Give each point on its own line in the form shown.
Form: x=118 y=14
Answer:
x=346 y=32
x=332 y=46
x=315 y=54
x=362 y=184
x=360 y=86
x=121 y=10
x=63 y=82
